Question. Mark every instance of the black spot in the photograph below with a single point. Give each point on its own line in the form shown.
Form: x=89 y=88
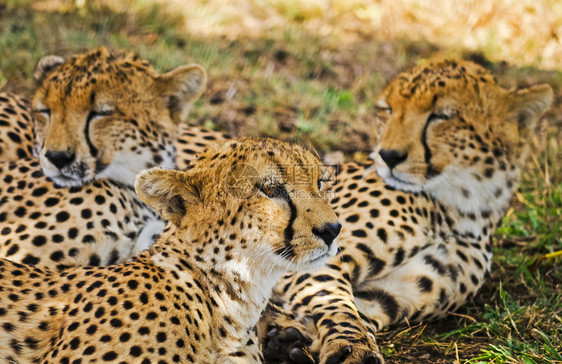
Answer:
x=57 y=255
x=39 y=240
x=425 y=284
x=89 y=350
x=13 y=250
x=359 y=233
x=39 y=191
x=62 y=216
x=74 y=343
x=30 y=259
x=381 y=233
x=352 y=218
x=72 y=233
x=51 y=201
x=144 y=298
x=135 y=351
x=399 y=257
x=94 y=260
x=109 y=356
x=161 y=337
x=116 y=323
x=76 y=200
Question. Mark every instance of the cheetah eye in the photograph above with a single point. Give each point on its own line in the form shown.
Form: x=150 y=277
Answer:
x=440 y=115
x=94 y=115
x=45 y=112
x=383 y=109
x=273 y=191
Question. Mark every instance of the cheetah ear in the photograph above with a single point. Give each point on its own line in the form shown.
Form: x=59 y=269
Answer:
x=167 y=191
x=181 y=87
x=526 y=106
x=46 y=65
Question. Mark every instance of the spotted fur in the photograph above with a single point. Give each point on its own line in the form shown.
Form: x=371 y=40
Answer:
x=46 y=225
x=417 y=237
x=16 y=127
x=109 y=115
x=196 y=295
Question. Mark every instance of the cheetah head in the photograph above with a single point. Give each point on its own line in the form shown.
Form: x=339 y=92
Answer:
x=108 y=115
x=259 y=198
x=450 y=129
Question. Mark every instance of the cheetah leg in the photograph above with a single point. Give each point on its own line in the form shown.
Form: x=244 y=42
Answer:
x=249 y=353
x=283 y=339
x=431 y=284
x=327 y=298
x=349 y=300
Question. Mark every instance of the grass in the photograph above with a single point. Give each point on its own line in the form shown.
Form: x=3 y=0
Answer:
x=310 y=70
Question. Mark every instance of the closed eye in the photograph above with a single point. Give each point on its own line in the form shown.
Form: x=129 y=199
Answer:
x=383 y=109
x=45 y=112
x=93 y=115
x=274 y=191
x=435 y=116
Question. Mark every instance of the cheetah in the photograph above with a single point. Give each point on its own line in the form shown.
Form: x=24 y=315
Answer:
x=418 y=222
x=238 y=219
x=107 y=114
x=97 y=71
x=100 y=118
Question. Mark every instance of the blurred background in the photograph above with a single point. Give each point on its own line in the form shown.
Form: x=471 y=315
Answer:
x=311 y=70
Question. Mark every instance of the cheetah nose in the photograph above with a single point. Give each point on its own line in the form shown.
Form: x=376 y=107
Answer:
x=59 y=159
x=328 y=232
x=392 y=157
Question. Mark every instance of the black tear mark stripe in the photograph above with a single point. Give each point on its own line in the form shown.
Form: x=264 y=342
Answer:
x=430 y=172
x=427 y=152
x=289 y=230
x=93 y=150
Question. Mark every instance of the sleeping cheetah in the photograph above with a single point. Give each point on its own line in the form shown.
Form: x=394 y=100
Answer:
x=63 y=118
x=197 y=294
x=417 y=238
x=100 y=117
x=109 y=115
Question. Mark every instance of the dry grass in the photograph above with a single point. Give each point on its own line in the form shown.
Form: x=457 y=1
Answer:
x=525 y=32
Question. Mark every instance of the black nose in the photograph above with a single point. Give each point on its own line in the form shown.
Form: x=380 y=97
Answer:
x=392 y=157
x=328 y=232
x=59 y=159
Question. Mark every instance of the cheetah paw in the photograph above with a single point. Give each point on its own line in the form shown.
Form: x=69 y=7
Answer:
x=286 y=346
x=341 y=352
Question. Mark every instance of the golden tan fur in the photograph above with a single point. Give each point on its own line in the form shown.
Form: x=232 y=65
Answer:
x=16 y=127
x=109 y=114
x=197 y=294
x=112 y=115
x=416 y=241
